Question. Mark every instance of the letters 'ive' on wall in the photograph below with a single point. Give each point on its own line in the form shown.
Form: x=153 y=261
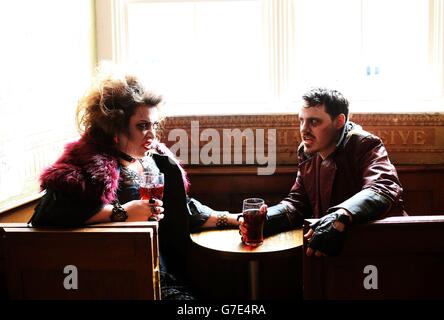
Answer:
x=411 y=139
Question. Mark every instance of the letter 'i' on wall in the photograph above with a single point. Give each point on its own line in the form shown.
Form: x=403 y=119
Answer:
x=71 y=280
x=371 y=280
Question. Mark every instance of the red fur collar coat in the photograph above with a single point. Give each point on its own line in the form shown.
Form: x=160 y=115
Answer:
x=88 y=172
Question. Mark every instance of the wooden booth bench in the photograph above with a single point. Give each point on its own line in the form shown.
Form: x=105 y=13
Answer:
x=102 y=261
x=393 y=258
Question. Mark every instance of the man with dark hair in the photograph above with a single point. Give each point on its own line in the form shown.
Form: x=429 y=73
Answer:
x=345 y=176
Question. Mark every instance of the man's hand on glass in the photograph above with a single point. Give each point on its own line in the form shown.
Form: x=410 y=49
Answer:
x=326 y=236
x=243 y=225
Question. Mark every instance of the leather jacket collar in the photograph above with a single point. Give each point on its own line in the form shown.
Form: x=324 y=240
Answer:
x=347 y=131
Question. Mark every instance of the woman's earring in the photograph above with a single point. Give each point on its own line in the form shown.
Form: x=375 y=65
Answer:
x=116 y=139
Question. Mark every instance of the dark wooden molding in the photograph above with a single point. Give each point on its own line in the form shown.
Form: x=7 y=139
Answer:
x=412 y=138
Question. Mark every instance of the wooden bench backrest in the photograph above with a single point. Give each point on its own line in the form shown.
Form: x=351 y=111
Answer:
x=112 y=261
x=408 y=253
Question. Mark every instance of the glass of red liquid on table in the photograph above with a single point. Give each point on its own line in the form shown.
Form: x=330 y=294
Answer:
x=151 y=186
x=254 y=221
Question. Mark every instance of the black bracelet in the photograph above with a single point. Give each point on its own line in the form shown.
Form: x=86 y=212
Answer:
x=118 y=214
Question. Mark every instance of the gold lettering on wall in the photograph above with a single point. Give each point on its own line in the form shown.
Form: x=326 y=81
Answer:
x=419 y=137
x=409 y=138
x=387 y=136
x=406 y=137
x=390 y=137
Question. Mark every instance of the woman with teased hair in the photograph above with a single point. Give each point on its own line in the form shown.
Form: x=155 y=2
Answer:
x=96 y=178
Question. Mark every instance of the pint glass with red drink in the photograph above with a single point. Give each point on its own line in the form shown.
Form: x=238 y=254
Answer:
x=254 y=221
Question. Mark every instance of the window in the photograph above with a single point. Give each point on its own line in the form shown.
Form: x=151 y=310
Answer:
x=200 y=54
x=45 y=64
x=377 y=52
x=213 y=56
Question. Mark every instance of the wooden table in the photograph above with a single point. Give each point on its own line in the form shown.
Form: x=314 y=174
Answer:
x=228 y=245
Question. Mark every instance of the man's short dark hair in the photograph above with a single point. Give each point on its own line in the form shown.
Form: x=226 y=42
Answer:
x=333 y=100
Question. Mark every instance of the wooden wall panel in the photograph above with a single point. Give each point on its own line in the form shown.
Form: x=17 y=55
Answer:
x=409 y=138
x=224 y=190
x=407 y=253
x=415 y=143
x=423 y=189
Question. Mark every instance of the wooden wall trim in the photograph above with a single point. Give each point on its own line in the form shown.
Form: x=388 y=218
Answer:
x=202 y=170
x=235 y=170
x=383 y=119
x=411 y=139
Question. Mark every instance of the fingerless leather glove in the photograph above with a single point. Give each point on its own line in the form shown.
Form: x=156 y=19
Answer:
x=326 y=238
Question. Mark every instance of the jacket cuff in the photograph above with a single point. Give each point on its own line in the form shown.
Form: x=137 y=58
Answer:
x=365 y=206
x=58 y=209
x=199 y=213
x=277 y=220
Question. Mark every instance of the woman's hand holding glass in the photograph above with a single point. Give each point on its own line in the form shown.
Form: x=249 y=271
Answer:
x=151 y=189
x=143 y=210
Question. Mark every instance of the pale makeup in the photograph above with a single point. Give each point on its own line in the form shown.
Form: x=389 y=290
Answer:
x=141 y=134
x=318 y=130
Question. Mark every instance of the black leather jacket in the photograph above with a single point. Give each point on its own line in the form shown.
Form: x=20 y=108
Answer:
x=358 y=176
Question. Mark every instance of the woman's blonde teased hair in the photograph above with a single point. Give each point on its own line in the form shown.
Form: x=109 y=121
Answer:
x=105 y=109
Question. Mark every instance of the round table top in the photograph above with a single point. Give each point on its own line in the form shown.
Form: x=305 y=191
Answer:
x=228 y=242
